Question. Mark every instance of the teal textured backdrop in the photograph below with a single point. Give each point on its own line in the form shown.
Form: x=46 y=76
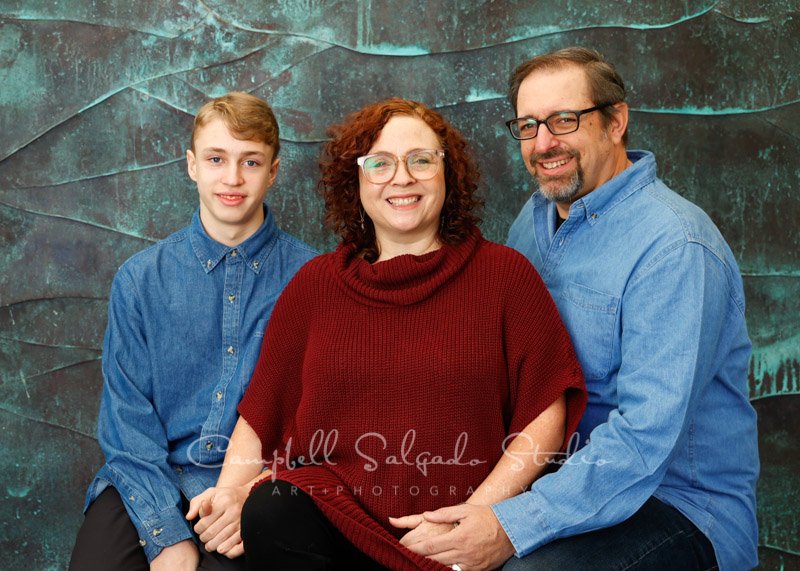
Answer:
x=96 y=101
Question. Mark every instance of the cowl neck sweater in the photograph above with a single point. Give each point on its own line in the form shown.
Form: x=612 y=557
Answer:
x=402 y=280
x=388 y=389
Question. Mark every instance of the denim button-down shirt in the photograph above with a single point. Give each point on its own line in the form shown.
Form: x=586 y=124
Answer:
x=652 y=298
x=185 y=325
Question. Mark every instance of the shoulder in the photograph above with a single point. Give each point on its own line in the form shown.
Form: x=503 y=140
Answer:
x=149 y=259
x=505 y=268
x=293 y=245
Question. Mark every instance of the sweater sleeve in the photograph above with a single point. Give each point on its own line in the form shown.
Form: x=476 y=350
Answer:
x=542 y=364
x=272 y=397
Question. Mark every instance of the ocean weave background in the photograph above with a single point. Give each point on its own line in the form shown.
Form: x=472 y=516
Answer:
x=96 y=104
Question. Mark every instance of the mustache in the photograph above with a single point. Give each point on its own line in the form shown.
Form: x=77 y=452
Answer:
x=552 y=154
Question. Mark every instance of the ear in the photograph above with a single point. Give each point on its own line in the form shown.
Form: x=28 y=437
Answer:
x=619 y=122
x=273 y=172
x=191 y=165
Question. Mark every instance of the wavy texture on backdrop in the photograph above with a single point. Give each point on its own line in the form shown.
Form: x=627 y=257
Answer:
x=95 y=111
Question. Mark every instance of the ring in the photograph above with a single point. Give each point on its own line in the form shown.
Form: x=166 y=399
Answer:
x=456 y=567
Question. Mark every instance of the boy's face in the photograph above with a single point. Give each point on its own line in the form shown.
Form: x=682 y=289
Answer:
x=232 y=179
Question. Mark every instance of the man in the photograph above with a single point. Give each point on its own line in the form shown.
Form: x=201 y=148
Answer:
x=665 y=473
x=186 y=320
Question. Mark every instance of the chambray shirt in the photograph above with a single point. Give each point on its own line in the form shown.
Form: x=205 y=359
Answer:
x=185 y=323
x=652 y=298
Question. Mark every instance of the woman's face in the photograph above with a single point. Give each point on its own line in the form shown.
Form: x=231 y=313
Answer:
x=405 y=211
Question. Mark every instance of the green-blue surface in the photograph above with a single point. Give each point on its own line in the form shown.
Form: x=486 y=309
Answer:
x=96 y=101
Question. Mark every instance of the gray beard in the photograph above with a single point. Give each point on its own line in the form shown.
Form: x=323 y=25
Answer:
x=559 y=190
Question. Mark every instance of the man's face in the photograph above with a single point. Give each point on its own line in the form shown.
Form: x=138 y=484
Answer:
x=565 y=167
x=232 y=178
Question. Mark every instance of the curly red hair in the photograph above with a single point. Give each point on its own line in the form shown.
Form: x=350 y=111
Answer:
x=354 y=137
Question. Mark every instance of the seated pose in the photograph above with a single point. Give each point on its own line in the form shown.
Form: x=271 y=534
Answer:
x=397 y=370
x=186 y=319
x=665 y=474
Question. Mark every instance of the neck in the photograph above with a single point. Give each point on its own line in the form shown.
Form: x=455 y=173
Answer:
x=616 y=166
x=231 y=234
x=388 y=249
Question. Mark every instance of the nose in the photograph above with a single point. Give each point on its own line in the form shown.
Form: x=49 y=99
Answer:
x=233 y=175
x=544 y=140
x=401 y=176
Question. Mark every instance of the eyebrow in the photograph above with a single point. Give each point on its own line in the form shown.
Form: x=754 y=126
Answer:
x=220 y=151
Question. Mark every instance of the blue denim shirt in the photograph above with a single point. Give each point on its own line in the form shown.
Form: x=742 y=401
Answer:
x=652 y=298
x=185 y=323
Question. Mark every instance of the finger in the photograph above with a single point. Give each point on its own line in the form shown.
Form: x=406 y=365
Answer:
x=220 y=530
x=194 y=506
x=407 y=522
x=432 y=546
x=236 y=551
x=452 y=514
x=226 y=546
x=449 y=557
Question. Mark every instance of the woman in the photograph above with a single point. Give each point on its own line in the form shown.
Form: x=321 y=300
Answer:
x=394 y=369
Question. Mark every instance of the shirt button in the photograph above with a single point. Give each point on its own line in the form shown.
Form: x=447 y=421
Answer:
x=594 y=216
x=219 y=395
x=178 y=470
x=234 y=253
x=209 y=445
x=142 y=542
x=157 y=532
x=231 y=298
x=255 y=265
x=132 y=498
x=231 y=350
x=209 y=264
x=561 y=242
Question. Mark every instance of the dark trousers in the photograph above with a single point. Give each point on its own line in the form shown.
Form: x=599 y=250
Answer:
x=108 y=540
x=282 y=528
x=656 y=538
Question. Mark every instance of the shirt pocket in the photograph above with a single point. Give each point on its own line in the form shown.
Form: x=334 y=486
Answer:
x=590 y=317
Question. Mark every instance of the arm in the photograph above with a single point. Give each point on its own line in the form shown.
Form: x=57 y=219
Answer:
x=671 y=318
x=220 y=507
x=542 y=369
x=129 y=430
x=523 y=461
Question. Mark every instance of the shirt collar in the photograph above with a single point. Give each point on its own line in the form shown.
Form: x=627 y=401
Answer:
x=606 y=196
x=253 y=251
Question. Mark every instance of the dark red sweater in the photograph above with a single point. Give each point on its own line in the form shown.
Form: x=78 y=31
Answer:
x=391 y=386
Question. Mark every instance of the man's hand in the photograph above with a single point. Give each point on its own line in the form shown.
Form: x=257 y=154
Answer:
x=477 y=543
x=220 y=512
x=183 y=556
x=420 y=529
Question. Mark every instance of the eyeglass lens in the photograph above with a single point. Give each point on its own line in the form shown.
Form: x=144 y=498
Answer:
x=421 y=165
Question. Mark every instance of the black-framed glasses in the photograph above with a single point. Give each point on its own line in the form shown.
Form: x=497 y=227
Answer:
x=559 y=123
x=380 y=168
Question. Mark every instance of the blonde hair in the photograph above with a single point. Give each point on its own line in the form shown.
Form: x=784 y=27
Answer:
x=247 y=116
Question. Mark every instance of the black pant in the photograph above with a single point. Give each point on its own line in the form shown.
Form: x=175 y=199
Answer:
x=656 y=538
x=282 y=528
x=108 y=540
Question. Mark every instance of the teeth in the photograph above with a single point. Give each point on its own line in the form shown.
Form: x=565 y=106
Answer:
x=403 y=201
x=555 y=164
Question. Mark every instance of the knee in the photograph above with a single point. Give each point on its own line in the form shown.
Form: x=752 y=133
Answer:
x=269 y=509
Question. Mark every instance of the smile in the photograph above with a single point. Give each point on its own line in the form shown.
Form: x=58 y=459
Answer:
x=555 y=164
x=403 y=201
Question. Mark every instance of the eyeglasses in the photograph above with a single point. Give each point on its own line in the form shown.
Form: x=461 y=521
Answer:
x=559 y=123
x=380 y=168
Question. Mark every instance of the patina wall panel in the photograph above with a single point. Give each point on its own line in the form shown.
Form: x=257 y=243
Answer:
x=96 y=101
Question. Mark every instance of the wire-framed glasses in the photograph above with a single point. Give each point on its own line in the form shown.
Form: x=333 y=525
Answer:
x=422 y=164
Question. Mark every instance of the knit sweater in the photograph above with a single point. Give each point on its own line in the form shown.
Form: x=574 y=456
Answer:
x=388 y=389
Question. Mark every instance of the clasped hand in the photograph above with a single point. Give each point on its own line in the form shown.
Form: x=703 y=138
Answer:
x=220 y=512
x=477 y=542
